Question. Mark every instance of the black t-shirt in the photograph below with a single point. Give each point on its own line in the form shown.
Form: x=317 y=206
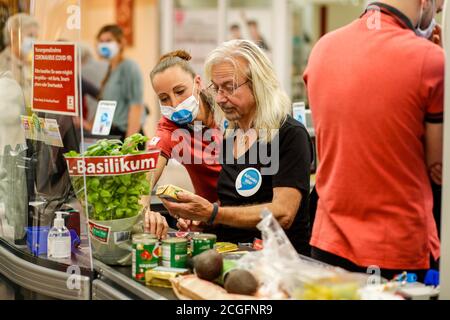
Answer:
x=250 y=180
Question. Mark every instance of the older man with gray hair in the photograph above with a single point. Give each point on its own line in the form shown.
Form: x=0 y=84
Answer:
x=266 y=153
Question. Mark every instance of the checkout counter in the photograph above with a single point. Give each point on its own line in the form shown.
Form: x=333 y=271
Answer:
x=25 y=276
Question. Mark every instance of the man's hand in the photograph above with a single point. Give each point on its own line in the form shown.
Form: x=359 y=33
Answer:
x=433 y=150
x=436 y=173
x=156 y=224
x=436 y=37
x=189 y=207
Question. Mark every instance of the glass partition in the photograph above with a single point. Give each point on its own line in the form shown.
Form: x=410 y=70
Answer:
x=41 y=119
x=195 y=25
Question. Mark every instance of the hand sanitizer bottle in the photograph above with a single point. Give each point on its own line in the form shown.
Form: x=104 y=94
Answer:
x=58 y=242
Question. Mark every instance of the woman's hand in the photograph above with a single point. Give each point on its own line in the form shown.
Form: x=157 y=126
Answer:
x=189 y=207
x=156 y=224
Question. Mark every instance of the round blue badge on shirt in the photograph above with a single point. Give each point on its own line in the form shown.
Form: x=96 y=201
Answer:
x=248 y=182
x=182 y=117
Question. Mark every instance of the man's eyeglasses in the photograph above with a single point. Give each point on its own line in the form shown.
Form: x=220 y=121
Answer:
x=227 y=90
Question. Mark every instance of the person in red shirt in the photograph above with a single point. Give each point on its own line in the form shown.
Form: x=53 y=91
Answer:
x=187 y=132
x=376 y=93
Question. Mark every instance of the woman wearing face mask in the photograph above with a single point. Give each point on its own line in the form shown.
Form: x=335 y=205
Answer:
x=123 y=82
x=186 y=132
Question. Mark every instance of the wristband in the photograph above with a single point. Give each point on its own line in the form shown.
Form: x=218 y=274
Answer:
x=214 y=213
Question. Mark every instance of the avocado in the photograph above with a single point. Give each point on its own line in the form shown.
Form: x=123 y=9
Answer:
x=240 y=281
x=190 y=263
x=208 y=265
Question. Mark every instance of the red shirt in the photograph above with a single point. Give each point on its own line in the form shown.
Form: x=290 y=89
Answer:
x=370 y=92
x=197 y=151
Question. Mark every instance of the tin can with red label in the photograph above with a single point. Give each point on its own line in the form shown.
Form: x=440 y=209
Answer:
x=145 y=255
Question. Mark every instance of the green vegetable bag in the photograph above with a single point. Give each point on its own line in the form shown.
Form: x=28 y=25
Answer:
x=119 y=179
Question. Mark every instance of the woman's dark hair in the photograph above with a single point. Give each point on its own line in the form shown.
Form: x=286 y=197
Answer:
x=114 y=29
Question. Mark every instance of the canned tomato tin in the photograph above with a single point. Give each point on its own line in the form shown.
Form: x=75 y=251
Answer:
x=174 y=252
x=202 y=242
x=145 y=255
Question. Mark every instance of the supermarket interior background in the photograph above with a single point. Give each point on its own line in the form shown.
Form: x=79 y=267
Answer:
x=286 y=30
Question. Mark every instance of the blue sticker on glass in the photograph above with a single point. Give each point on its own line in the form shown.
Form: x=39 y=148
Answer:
x=105 y=117
x=248 y=182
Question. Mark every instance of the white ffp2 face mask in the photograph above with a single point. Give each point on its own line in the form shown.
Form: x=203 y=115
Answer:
x=185 y=112
x=426 y=33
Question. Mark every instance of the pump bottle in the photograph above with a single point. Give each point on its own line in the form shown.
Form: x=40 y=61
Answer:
x=59 y=243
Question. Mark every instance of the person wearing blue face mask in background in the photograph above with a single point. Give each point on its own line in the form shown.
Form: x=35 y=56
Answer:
x=123 y=82
x=186 y=132
x=19 y=33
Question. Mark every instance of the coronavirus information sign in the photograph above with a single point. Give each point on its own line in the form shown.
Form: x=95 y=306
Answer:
x=55 y=85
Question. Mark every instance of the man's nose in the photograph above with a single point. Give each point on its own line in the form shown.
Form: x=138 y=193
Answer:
x=220 y=97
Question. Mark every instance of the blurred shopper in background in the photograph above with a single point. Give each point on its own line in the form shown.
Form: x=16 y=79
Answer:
x=235 y=32
x=256 y=36
x=376 y=93
x=88 y=89
x=248 y=95
x=93 y=72
x=254 y=32
x=19 y=33
x=12 y=106
x=187 y=108
x=123 y=82
x=4 y=15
